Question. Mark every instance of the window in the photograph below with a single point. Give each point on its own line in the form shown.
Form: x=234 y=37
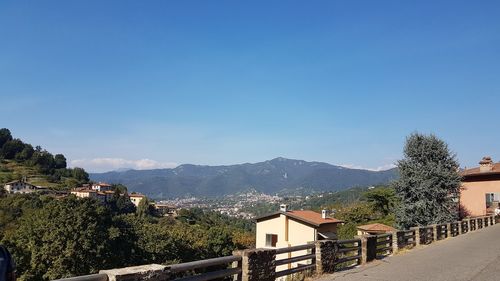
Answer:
x=271 y=240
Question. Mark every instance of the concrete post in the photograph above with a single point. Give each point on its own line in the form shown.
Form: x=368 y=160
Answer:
x=368 y=248
x=395 y=246
x=326 y=256
x=434 y=233
x=460 y=228
x=492 y=220
x=150 y=272
x=448 y=230
x=417 y=235
x=257 y=264
x=467 y=224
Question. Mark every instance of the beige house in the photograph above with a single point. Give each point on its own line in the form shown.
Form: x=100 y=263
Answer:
x=287 y=228
x=89 y=193
x=480 y=192
x=374 y=229
x=136 y=198
x=19 y=187
x=165 y=210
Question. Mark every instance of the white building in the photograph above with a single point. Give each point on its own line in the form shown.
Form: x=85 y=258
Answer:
x=19 y=187
x=101 y=187
x=136 y=198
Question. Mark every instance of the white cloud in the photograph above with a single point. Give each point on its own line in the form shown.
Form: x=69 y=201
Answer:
x=109 y=164
x=377 y=169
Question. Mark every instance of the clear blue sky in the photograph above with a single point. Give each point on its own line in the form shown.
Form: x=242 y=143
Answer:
x=152 y=83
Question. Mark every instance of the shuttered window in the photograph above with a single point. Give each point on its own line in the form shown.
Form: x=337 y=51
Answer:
x=271 y=240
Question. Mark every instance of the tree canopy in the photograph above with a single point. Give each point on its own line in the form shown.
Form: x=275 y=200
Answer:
x=54 y=238
x=429 y=183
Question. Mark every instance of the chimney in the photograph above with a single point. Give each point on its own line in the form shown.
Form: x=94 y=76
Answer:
x=324 y=213
x=284 y=208
x=486 y=164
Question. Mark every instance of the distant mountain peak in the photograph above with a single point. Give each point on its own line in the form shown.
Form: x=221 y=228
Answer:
x=267 y=177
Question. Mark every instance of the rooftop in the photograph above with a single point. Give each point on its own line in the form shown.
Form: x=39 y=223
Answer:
x=135 y=195
x=102 y=184
x=306 y=216
x=376 y=227
x=491 y=169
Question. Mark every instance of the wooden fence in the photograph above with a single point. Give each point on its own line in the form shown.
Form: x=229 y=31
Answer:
x=321 y=256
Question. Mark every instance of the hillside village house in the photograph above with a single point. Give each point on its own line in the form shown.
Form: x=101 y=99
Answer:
x=480 y=192
x=374 y=229
x=287 y=228
x=19 y=186
x=136 y=198
x=165 y=210
x=101 y=187
x=84 y=192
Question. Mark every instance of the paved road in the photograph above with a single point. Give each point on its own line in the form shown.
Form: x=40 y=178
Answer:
x=473 y=256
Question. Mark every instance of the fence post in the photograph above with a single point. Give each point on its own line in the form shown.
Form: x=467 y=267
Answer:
x=434 y=232
x=257 y=264
x=417 y=235
x=368 y=248
x=460 y=228
x=448 y=230
x=152 y=272
x=395 y=246
x=326 y=256
x=492 y=218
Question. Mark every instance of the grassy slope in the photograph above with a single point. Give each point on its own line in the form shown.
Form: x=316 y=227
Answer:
x=11 y=170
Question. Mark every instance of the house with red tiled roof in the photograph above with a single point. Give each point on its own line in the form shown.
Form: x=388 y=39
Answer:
x=480 y=190
x=136 y=198
x=374 y=229
x=287 y=228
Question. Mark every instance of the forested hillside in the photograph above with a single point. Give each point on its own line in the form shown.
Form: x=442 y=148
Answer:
x=52 y=238
x=277 y=175
x=19 y=160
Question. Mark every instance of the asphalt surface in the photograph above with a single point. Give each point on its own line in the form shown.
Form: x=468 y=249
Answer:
x=472 y=256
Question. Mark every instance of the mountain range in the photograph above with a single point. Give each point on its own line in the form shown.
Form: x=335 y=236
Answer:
x=272 y=176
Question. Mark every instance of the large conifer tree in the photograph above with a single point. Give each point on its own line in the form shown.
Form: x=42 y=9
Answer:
x=429 y=183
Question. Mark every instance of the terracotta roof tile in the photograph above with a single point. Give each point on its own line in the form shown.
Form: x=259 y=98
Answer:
x=475 y=171
x=376 y=227
x=313 y=217
x=306 y=216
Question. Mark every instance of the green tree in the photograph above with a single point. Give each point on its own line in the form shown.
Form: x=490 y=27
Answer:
x=11 y=148
x=357 y=213
x=5 y=136
x=429 y=183
x=26 y=153
x=383 y=199
x=64 y=238
x=43 y=160
x=80 y=175
x=145 y=209
x=59 y=161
